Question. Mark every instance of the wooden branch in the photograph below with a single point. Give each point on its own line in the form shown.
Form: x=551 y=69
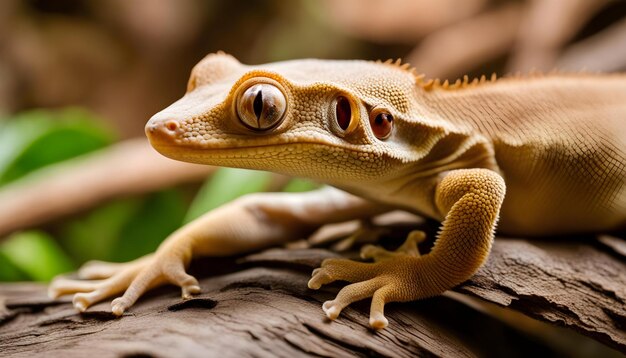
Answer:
x=255 y=312
x=260 y=306
x=127 y=168
x=572 y=283
x=568 y=283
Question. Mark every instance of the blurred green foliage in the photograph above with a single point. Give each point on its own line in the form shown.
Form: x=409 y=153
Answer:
x=226 y=185
x=124 y=229
x=120 y=230
x=38 y=138
x=35 y=255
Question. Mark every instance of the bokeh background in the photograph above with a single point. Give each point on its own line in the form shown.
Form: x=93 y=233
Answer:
x=79 y=79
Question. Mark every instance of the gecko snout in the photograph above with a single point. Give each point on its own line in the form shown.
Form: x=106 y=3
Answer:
x=162 y=128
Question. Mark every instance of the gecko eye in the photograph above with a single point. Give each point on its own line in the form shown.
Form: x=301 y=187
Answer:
x=343 y=112
x=381 y=123
x=344 y=120
x=261 y=107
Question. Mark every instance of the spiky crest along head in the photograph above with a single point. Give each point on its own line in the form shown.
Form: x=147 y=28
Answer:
x=332 y=121
x=436 y=83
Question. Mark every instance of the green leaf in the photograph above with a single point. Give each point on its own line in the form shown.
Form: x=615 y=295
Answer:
x=94 y=235
x=8 y=270
x=38 y=138
x=225 y=185
x=124 y=229
x=159 y=215
x=36 y=254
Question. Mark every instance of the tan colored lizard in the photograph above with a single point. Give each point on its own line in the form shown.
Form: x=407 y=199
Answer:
x=388 y=139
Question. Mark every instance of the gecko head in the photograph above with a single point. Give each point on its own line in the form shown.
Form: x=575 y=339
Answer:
x=333 y=121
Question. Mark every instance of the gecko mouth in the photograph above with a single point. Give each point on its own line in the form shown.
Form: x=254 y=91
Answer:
x=208 y=155
x=269 y=156
x=278 y=158
x=167 y=137
x=306 y=160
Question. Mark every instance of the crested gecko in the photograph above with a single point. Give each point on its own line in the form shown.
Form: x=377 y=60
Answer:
x=538 y=155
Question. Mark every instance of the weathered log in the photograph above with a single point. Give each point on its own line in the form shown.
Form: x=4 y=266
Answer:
x=259 y=306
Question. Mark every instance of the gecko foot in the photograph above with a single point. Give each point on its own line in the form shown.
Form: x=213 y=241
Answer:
x=409 y=247
x=385 y=281
x=133 y=278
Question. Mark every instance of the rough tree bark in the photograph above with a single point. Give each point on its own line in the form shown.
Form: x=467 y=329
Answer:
x=259 y=306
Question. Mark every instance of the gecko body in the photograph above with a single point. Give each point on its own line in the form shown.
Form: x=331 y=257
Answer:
x=541 y=155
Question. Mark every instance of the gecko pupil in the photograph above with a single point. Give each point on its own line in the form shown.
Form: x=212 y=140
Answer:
x=382 y=125
x=343 y=112
x=383 y=117
x=258 y=104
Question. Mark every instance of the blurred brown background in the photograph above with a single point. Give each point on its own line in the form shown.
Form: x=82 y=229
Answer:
x=128 y=59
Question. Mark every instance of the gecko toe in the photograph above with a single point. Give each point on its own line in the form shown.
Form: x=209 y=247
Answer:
x=93 y=270
x=63 y=286
x=378 y=321
x=331 y=309
x=118 y=306
x=189 y=291
x=408 y=248
x=340 y=270
x=349 y=294
x=175 y=274
x=373 y=252
x=79 y=304
x=82 y=301
x=318 y=279
x=387 y=293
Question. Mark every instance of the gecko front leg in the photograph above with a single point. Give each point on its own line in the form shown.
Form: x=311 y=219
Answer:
x=250 y=223
x=470 y=201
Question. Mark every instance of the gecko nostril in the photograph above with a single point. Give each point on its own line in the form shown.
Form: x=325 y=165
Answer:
x=171 y=125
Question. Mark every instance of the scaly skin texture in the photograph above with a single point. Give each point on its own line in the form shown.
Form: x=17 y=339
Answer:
x=555 y=145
